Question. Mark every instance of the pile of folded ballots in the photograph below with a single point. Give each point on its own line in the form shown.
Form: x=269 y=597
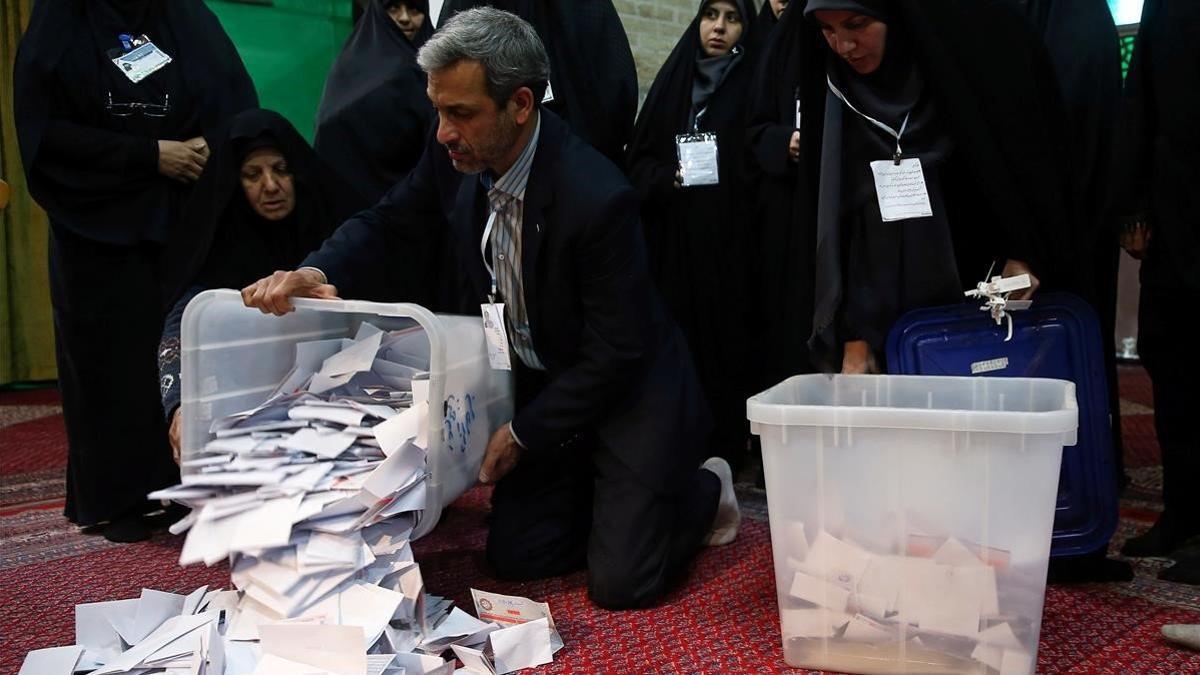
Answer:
x=312 y=497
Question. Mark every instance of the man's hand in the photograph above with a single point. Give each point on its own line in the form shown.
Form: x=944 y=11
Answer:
x=857 y=358
x=173 y=434
x=794 y=147
x=1136 y=239
x=501 y=456
x=273 y=294
x=182 y=161
x=1014 y=268
x=678 y=183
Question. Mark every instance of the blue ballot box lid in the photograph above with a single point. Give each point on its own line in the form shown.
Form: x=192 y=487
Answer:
x=1058 y=337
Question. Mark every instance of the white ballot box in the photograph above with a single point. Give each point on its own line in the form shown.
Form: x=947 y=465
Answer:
x=234 y=358
x=911 y=518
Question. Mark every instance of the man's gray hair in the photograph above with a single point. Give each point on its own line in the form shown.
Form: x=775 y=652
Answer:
x=508 y=48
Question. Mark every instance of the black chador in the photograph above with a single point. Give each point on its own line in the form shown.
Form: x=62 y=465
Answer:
x=89 y=143
x=697 y=235
x=374 y=114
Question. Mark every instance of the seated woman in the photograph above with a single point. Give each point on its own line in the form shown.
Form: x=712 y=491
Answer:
x=374 y=115
x=928 y=151
x=696 y=234
x=263 y=203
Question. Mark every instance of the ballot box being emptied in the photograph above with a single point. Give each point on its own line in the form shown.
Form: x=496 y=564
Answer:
x=234 y=358
x=911 y=518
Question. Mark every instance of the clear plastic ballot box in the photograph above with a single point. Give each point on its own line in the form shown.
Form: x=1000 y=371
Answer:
x=911 y=518
x=234 y=357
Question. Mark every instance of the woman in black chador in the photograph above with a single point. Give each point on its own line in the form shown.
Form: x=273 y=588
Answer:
x=1156 y=198
x=957 y=93
x=113 y=99
x=264 y=203
x=374 y=116
x=696 y=234
x=593 y=81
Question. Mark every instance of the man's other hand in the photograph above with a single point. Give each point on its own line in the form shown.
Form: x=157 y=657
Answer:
x=273 y=294
x=501 y=456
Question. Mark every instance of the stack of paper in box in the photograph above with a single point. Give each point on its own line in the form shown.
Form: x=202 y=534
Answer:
x=314 y=493
x=938 y=605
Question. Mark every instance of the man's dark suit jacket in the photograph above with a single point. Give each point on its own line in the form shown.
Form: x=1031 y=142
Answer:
x=616 y=364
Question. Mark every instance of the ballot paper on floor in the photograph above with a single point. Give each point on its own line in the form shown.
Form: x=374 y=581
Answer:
x=52 y=661
x=524 y=645
x=511 y=610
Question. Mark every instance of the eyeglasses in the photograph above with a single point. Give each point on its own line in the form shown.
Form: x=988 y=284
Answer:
x=144 y=109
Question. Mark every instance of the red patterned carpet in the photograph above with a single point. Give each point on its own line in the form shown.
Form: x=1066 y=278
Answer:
x=722 y=620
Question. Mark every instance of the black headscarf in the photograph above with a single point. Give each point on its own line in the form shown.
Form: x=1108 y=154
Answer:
x=63 y=75
x=996 y=95
x=764 y=25
x=876 y=9
x=224 y=243
x=426 y=30
x=592 y=73
x=697 y=236
x=709 y=72
x=683 y=87
x=374 y=115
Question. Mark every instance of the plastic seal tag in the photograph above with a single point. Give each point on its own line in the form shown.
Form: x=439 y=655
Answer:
x=142 y=61
x=900 y=188
x=494 y=333
x=698 y=158
x=996 y=295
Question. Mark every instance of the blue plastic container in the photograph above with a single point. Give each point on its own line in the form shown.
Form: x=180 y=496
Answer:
x=1059 y=337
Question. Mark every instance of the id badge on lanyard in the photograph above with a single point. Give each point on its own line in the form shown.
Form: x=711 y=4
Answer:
x=698 y=158
x=899 y=182
x=139 y=59
x=499 y=356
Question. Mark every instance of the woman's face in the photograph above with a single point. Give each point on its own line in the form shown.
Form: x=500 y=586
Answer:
x=270 y=188
x=857 y=38
x=777 y=6
x=720 y=27
x=407 y=18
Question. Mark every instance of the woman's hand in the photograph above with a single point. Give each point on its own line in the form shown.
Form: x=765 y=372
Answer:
x=857 y=358
x=794 y=147
x=1136 y=239
x=182 y=161
x=1014 y=268
x=173 y=434
x=678 y=178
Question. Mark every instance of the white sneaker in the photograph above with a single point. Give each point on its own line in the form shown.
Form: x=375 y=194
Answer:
x=1184 y=634
x=729 y=516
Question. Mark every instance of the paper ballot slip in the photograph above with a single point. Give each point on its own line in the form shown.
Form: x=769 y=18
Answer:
x=511 y=610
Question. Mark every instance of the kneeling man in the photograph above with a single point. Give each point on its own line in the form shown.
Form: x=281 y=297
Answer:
x=598 y=467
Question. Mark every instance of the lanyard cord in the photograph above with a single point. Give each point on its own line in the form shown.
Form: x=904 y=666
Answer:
x=892 y=132
x=483 y=244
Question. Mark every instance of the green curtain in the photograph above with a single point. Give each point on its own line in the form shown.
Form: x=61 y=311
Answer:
x=26 y=329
